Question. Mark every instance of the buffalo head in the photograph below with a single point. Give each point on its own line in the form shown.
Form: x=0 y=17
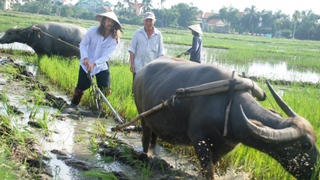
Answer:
x=293 y=145
x=11 y=35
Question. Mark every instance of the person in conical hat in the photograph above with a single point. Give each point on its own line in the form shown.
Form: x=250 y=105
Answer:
x=96 y=48
x=196 y=28
x=196 y=50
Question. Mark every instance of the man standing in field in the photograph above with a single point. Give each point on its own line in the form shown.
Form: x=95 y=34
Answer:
x=146 y=44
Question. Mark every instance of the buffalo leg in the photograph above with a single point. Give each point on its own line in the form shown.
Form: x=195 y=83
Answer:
x=203 y=152
x=153 y=139
x=146 y=136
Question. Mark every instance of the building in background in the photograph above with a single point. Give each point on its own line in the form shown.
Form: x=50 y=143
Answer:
x=9 y=3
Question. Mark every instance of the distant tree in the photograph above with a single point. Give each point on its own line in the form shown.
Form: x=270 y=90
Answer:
x=230 y=15
x=308 y=27
x=281 y=22
x=161 y=2
x=119 y=6
x=128 y=3
x=166 y=17
x=1 y=4
x=251 y=19
x=146 y=5
x=296 y=17
x=187 y=14
x=266 y=22
x=66 y=11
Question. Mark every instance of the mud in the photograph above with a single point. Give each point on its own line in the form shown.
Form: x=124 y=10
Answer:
x=61 y=151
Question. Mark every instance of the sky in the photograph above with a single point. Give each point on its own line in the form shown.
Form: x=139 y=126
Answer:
x=286 y=6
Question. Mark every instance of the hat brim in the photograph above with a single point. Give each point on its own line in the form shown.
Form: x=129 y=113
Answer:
x=149 y=18
x=196 y=28
x=110 y=15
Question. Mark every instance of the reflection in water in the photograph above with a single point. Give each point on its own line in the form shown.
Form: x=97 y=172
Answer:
x=280 y=71
x=277 y=71
x=18 y=46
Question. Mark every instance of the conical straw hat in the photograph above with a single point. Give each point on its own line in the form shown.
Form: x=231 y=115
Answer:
x=110 y=15
x=196 y=28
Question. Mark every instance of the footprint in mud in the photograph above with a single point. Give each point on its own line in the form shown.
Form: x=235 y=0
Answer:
x=124 y=153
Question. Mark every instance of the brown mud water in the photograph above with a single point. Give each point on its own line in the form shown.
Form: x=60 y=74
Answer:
x=60 y=148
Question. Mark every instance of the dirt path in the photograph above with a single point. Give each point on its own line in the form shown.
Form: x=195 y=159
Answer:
x=67 y=146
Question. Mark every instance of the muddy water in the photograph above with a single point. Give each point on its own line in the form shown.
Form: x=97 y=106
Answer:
x=71 y=135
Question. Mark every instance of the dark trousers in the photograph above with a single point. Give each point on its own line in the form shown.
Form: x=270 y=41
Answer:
x=102 y=78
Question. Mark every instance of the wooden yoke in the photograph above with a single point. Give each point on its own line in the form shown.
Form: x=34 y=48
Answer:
x=242 y=84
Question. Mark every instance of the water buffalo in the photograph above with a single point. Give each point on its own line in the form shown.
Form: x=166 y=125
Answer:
x=49 y=38
x=200 y=120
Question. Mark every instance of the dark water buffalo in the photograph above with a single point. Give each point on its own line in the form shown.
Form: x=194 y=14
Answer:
x=48 y=38
x=199 y=121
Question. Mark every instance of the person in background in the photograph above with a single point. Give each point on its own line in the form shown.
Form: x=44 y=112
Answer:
x=196 y=50
x=146 y=44
x=96 y=48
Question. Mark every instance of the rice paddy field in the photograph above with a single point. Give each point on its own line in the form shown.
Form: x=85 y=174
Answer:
x=304 y=99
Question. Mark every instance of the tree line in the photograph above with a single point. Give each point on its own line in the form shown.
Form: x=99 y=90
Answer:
x=303 y=25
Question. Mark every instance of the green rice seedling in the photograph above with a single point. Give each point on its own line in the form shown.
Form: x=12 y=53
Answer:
x=44 y=121
x=8 y=70
x=5 y=100
x=13 y=143
x=146 y=172
x=93 y=144
x=100 y=129
x=60 y=71
x=97 y=174
x=8 y=166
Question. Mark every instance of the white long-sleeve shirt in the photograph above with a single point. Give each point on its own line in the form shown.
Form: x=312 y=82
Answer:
x=146 y=49
x=97 y=49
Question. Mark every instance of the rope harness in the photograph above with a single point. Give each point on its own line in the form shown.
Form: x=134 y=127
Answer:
x=38 y=32
x=230 y=95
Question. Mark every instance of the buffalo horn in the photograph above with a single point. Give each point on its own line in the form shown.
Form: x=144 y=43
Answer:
x=280 y=102
x=268 y=134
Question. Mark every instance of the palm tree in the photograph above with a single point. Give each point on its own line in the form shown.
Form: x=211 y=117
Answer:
x=296 y=17
x=146 y=5
x=251 y=19
x=161 y=2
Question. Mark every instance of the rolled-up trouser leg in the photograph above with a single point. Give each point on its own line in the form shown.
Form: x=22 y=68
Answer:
x=77 y=95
